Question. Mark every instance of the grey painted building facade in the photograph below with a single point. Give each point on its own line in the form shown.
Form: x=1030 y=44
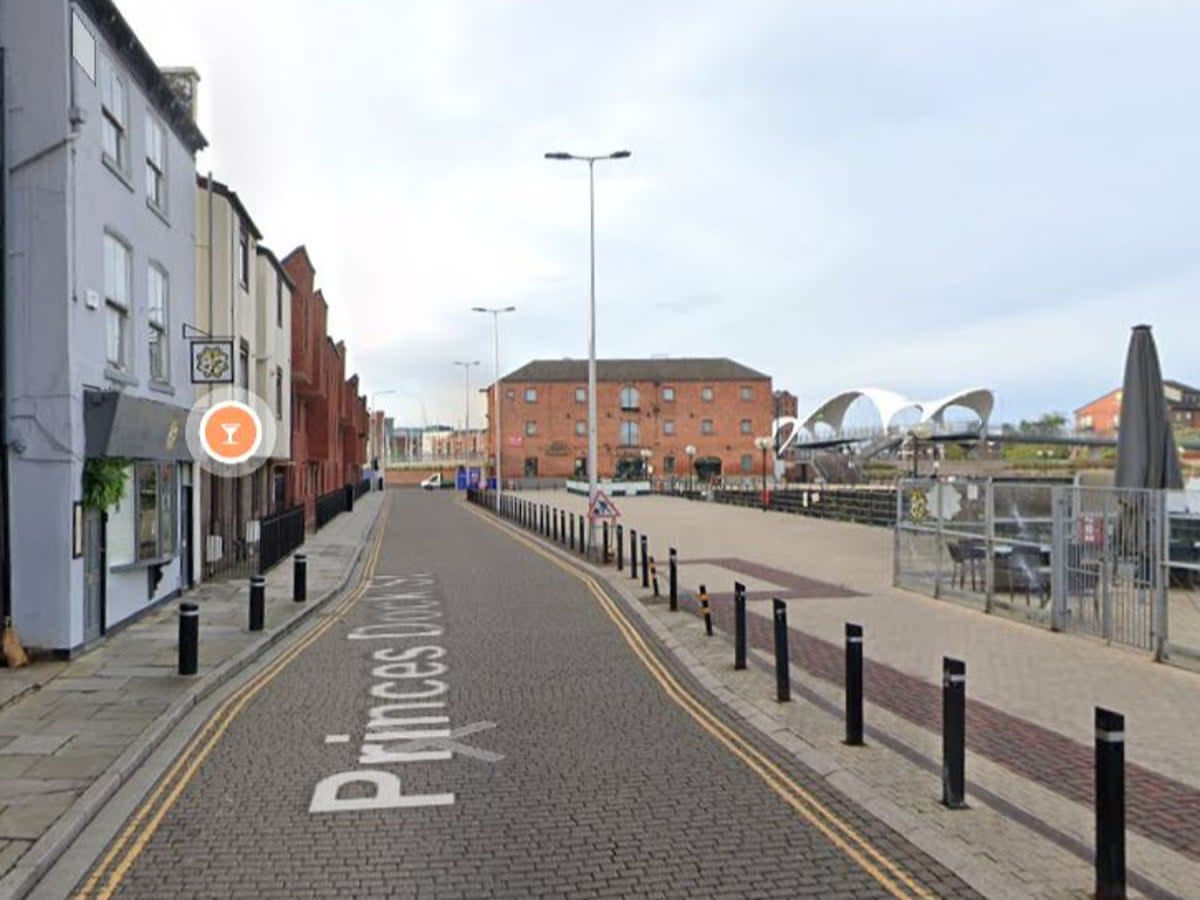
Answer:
x=100 y=216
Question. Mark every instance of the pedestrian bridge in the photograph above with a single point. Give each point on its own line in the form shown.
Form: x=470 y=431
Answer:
x=899 y=417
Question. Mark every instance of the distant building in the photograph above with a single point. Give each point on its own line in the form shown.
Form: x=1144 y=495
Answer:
x=786 y=404
x=649 y=412
x=1103 y=415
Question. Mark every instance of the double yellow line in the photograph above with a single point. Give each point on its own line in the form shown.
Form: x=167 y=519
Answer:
x=129 y=844
x=890 y=875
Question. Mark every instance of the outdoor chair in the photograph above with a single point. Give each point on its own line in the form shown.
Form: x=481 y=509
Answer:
x=965 y=555
x=1026 y=574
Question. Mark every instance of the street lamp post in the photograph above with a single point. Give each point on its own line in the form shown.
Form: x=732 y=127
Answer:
x=593 y=486
x=763 y=444
x=690 y=450
x=495 y=313
x=466 y=366
x=646 y=453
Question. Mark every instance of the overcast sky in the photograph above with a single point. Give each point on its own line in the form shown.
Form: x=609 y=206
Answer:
x=913 y=195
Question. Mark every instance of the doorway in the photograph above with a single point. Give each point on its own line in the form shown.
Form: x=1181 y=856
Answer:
x=94 y=566
x=531 y=467
x=708 y=468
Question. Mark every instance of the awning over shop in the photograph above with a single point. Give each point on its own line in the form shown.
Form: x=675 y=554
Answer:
x=117 y=424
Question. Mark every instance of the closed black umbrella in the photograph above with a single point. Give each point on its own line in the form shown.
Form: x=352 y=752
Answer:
x=1146 y=454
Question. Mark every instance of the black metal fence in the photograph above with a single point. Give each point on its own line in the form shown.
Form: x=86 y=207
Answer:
x=279 y=535
x=867 y=506
x=333 y=504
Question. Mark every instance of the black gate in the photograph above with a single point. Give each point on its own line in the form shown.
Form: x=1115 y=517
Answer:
x=279 y=535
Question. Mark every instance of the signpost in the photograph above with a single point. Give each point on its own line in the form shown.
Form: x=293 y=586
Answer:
x=602 y=508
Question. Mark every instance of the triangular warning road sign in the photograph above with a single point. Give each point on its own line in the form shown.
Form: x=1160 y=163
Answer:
x=602 y=508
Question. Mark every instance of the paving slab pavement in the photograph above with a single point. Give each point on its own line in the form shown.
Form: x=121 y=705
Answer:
x=74 y=731
x=1046 y=683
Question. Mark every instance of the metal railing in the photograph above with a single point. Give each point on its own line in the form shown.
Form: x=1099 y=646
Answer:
x=1119 y=564
x=279 y=535
x=332 y=504
x=862 y=504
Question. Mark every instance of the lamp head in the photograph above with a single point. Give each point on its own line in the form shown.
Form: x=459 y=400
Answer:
x=620 y=154
x=558 y=155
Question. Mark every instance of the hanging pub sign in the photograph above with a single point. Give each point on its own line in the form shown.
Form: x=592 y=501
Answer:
x=212 y=361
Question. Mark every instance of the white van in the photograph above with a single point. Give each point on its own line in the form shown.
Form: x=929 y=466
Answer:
x=433 y=482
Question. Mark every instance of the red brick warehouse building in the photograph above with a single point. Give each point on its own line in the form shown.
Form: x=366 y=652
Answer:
x=329 y=416
x=660 y=406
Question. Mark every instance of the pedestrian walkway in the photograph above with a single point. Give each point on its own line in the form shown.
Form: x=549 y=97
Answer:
x=1031 y=692
x=81 y=727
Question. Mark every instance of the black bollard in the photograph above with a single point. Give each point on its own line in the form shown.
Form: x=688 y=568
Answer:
x=572 y=531
x=673 y=579
x=604 y=561
x=562 y=527
x=739 y=625
x=783 y=678
x=554 y=525
x=620 y=547
x=654 y=575
x=706 y=611
x=1110 y=805
x=633 y=553
x=300 y=578
x=258 y=601
x=854 y=684
x=189 y=638
x=645 y=564
x=954 y=726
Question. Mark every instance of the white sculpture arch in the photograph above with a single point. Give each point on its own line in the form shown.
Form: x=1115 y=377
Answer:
x=979 y=400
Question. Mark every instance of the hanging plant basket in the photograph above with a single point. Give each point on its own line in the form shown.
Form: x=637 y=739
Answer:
x=104 y=482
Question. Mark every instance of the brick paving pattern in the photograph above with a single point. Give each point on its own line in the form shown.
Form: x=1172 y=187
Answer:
x=1158 y=807
x=606 y=788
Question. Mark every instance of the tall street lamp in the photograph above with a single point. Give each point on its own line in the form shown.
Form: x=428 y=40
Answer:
x=690 y=450
x=466 y=366
x=593 y=486
x=495 y=313
x=763 y=444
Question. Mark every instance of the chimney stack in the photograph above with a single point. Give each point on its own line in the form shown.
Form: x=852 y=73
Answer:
x=183 y=81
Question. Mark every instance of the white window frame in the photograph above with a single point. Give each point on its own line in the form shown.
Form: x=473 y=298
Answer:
x=631 y=433
x=746 y=392
x=158 y=316
x=118 y=306
x=580 y=428
x=530 y=395
x=242 y=256
x=707 y=426
x=580 y=395
x=630 y=398
x=156 y=163
x=706 y=394
x=531 y=428
x=668 y=395
x=747 y=427
x=114 y=110
x=747 y=462
x=668 y=426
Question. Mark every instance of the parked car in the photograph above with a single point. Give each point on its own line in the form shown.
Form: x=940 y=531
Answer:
x=433 y=482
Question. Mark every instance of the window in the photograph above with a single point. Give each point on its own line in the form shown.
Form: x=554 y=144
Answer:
x=112 y=127
x=747 y=426
x=154 y=485
x=156 y=311
x=279 y=392
x=156 y=163
x=629 y=398
x=668 y=426
x=747 y=392
x=630 y=434
x=243 y=257
x=581 y=428
x=747 y=462
x=669 y=465
x=244 y=365
x=706 y=426
x=581 y=395
x=668 y=395
x=581 y=467
x=117 y=265
x=83 y=46
x=530 y=428
x=531 y=395
x=706 y=394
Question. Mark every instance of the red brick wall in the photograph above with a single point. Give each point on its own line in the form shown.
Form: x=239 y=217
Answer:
x=556 y=445
x=1104 y=413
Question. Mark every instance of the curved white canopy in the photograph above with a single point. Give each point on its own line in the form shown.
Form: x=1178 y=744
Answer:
x=979 y=400
x=832 y=412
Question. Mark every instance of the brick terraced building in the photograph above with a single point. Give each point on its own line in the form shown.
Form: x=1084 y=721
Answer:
x=648 y=412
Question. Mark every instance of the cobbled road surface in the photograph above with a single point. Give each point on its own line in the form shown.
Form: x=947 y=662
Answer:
x=605 y=788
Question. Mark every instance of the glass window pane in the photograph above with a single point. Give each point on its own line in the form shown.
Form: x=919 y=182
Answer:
x=115 y=335
x=166 y=509
x=147 y=511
